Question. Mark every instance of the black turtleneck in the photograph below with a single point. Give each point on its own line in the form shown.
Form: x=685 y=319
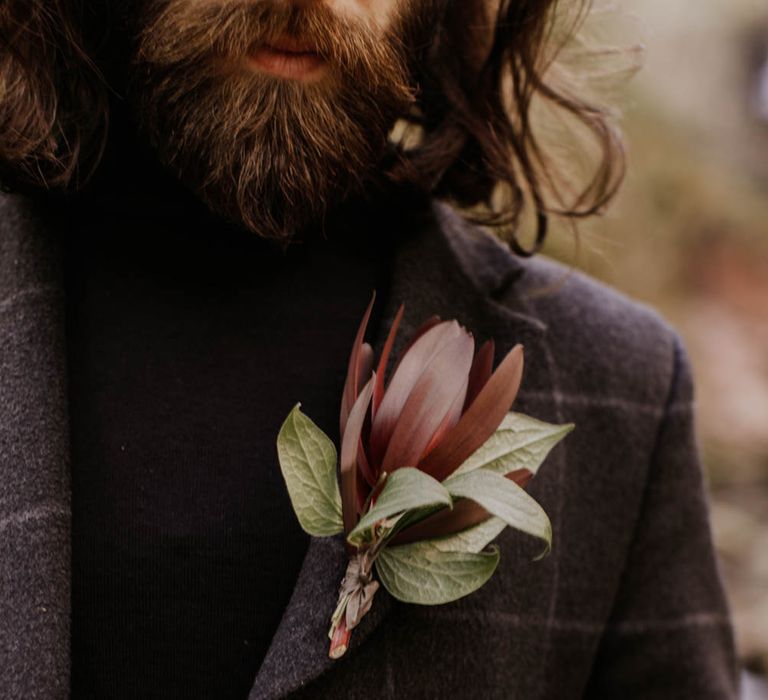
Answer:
x=189 y=342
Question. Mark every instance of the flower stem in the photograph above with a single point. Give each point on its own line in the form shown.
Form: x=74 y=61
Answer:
x=355 y=599
x=340 y=639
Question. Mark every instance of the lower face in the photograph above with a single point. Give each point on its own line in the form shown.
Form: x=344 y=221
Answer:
x=274 y=111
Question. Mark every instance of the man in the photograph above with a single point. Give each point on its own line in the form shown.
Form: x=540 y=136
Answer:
x=206 y=191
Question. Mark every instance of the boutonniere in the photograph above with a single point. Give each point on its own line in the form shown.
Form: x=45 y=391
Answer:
x=432 y=468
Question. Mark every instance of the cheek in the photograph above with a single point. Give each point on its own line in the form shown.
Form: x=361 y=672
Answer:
x=379 y=12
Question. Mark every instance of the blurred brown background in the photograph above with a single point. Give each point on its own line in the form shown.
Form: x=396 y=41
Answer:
x=689 y=235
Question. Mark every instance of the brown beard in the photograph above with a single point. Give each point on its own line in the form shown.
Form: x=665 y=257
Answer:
x=273 y=155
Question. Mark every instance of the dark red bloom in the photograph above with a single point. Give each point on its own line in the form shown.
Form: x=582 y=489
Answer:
x=442 y=401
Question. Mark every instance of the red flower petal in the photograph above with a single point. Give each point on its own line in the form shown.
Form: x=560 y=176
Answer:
x=482 y=368
x=354 y=373
x=428 y=325
x=362 y=494
x=349 y=445
x=520 y=476
x=365 y=367
x=432 y=399
x=378 y=389
x=411 y=367
x=450 y=420
x=365 y=468
x=464 y=514
x=481 y=419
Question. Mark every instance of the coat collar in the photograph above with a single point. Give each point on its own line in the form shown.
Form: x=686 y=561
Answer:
x=445 y=267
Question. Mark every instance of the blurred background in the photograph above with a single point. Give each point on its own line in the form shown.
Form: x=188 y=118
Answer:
x=689 y=235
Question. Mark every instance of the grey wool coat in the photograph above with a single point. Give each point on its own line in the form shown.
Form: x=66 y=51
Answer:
x=629 y=604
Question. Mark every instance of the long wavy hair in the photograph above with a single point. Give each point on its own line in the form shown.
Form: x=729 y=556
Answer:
x=471 y=139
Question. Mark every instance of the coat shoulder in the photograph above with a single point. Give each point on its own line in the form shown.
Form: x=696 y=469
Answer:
x=598 y=340
x=601 y=341
x=30 y=247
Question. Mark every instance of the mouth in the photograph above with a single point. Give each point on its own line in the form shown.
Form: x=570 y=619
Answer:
x=287 y=57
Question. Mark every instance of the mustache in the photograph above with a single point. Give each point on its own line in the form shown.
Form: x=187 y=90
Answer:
x=183 y=33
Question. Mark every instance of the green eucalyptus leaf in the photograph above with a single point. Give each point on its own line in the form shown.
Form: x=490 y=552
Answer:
x=504 y=499
x=405 y=489
x=414 y=516
x=418 y=573
x=520 y=442
x=308 y=461
x=473 y=539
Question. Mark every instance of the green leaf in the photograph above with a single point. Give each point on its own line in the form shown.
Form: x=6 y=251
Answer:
x=417 y=573
x=473 y=539
x=308 y=462
x=504 y=499
x=520 y=442
x=405 y=489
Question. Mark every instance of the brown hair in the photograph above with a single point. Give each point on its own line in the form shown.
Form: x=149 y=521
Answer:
x=476 y=145
x=53 y=103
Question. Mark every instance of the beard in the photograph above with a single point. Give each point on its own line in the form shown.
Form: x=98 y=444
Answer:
x=270 y=154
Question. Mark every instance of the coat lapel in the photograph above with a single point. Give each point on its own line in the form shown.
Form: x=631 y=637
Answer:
x=34 y=459
x=446 y=268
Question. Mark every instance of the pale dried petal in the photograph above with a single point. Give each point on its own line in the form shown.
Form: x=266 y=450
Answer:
x=435 y=396
x=412 y=366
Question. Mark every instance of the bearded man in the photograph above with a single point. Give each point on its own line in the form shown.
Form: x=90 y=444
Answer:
x=204 y=194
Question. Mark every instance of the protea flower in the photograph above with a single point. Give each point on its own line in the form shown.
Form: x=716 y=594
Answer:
x=441 y=403
x=418 y=466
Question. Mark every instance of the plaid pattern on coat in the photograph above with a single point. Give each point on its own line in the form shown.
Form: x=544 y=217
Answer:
x=629 y=605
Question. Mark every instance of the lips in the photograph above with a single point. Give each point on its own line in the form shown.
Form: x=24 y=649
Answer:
x=287 y=57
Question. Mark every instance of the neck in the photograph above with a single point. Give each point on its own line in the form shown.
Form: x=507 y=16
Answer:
x=131 y=179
